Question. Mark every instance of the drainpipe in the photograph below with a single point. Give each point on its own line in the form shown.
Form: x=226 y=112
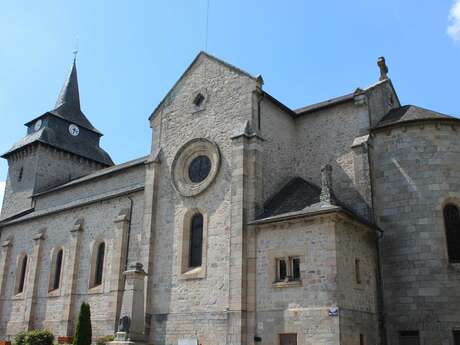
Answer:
x=128 y=237
x=379 y=280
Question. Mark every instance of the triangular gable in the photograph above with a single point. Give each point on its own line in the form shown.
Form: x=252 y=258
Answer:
x=198 y=59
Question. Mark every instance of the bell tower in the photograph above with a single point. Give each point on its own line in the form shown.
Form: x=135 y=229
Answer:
x=59 y=146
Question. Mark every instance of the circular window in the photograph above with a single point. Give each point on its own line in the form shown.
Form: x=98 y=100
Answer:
x=195 y=166
x=199 y=169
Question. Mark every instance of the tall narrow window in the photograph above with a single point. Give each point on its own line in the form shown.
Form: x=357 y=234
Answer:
x=196 y=240
x=409 y=338
x=21 y=172
x=452 y=224
x=295 y=268
x=57 y=270
x=282 y=269
x=357 y=271
x=99 y=264
x=22 y=274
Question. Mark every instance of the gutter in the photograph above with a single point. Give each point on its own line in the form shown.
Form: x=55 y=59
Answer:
x=309 y=214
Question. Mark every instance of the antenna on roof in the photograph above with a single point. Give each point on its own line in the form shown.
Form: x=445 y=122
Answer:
x=207 y=26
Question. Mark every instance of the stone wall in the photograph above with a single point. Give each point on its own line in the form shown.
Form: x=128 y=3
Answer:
x=77 y=231
x=118 y=181
x=326 y=137
x=327 y=248
x=417 y=169
x=197 y=307
x=278 y=130
x=43 y=168
x=357 y=285
x=298 y=308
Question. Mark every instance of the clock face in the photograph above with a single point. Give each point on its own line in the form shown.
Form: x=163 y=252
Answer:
x=74 y=130
x=38 y=125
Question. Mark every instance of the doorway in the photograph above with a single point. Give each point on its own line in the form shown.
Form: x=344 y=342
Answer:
x=288 y=339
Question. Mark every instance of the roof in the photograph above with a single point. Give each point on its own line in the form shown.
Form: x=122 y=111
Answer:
x=68 y=103
x=98 y=173
x=313 y=211
x=299 y=198
x=67 y=108
x=294 y=196
x=325 y=104
x=341 y=99
x=411 y=113
x=48 y=135
x=195 y=60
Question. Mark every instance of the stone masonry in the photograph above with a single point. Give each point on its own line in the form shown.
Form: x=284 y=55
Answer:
x=248 y=223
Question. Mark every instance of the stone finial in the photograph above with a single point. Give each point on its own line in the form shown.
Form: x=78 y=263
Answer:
x=383 y=68
x=260 y=81
x=326 y=195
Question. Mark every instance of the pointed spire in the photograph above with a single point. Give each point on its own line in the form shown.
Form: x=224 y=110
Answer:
x=69 y=93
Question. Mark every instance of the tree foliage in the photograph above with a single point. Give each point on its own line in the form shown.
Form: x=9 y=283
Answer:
x=83 y=333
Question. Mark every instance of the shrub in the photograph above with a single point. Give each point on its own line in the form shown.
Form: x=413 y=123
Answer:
x=39 y=337
x=20 y=338
x=83 y=333
x=34 y=337
x=103 y=340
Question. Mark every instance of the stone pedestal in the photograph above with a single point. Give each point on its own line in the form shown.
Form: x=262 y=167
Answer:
x=133 y=302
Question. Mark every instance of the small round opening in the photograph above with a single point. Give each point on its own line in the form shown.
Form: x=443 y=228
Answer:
x=199 y=169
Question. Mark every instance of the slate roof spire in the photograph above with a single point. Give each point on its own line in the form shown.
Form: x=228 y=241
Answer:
x=68 y=103
x=69 y=93
x=53 y=131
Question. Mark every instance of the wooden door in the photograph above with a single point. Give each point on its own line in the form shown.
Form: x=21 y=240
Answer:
x=288 y=339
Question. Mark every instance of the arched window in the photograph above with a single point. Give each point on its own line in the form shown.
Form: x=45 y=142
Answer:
x=57 y=269
x=196 y=240
x=22 y=274
x=452 y=224
x=99 y=264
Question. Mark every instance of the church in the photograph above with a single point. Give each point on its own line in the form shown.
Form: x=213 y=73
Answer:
x=248 y=223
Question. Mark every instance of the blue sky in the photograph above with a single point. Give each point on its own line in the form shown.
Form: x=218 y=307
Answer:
x=132 y=52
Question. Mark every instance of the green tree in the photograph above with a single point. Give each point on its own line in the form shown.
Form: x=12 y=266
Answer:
x=83 y=333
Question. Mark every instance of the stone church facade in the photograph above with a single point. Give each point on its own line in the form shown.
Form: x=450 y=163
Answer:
x=248 y=223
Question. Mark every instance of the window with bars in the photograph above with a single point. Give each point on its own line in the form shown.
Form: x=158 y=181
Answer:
x=288 y=269
x=452 y=227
